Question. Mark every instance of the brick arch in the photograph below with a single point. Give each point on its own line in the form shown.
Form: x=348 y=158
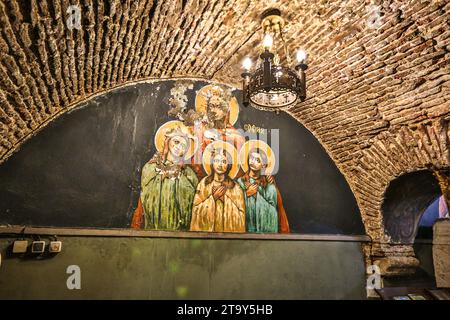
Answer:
x=378 y=94
x=411 y=148
x=423 y=146
x=384 y=158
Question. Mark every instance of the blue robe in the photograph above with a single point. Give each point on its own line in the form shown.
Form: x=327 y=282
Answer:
x=261 y=215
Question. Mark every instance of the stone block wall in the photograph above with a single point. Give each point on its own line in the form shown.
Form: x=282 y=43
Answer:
x=441 y=253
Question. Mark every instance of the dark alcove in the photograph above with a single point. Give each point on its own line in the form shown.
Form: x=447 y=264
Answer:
x=406 y=199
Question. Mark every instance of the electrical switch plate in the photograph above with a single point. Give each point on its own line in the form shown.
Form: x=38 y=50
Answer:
x=55 y=246
x=20 y=246
x=38 y=246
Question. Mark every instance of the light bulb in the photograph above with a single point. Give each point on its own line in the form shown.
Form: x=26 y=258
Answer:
x=267 y=41
x=247 y=63
x=301 y=56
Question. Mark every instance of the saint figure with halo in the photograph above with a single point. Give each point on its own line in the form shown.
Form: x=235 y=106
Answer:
x=219 y=204
x=167 y=184
x=264 y=211
x=220 y=112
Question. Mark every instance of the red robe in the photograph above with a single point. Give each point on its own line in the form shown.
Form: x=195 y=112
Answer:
x=138 y=216
x=283 y=224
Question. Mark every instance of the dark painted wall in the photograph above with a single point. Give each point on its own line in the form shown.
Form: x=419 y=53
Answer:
x=83 y=170
x=145 y=268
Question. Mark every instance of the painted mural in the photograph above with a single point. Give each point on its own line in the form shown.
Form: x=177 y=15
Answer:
x=206 y=176
x=181 y=156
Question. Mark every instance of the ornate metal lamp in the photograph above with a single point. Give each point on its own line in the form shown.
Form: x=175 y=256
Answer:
x=273 y=87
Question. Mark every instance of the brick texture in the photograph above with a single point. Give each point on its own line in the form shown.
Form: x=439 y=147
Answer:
x=378 y=82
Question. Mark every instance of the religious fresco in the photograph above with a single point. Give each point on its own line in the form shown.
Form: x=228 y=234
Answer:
x=180 y=156
x=263 y=202
x=206 y=176
x=167 y=185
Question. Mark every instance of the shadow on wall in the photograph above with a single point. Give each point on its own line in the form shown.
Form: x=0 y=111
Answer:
x=406 y=200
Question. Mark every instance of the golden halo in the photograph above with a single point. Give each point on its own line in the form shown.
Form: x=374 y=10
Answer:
x=224 y=146
x=160 y=137
x=252 y=144
x=200 y=102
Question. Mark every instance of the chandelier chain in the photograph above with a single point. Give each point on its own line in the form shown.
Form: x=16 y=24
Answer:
x=286 y=51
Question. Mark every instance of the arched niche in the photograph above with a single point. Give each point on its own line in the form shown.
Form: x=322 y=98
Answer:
x=84 y=169
x=406 y=199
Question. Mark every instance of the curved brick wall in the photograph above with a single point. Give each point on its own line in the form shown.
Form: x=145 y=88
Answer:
x=378 y=82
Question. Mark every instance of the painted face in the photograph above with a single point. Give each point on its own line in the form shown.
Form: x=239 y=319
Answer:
x=216 y=113
x=178 y=146
x=255 y=161
x=220 y=163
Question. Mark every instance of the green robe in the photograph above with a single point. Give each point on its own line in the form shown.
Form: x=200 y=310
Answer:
x=261 y=213
x=167 y=200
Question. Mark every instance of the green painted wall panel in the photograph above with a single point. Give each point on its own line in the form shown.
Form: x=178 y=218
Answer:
x=151 y=268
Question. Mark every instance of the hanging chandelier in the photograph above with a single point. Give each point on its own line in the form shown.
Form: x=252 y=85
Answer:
x=272 y=86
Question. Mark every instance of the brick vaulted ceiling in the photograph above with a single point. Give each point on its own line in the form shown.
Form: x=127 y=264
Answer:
x=378 y=85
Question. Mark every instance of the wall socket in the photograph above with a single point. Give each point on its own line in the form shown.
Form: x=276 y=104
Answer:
x=38 y=247
x=55 y=246
x=20 y=246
